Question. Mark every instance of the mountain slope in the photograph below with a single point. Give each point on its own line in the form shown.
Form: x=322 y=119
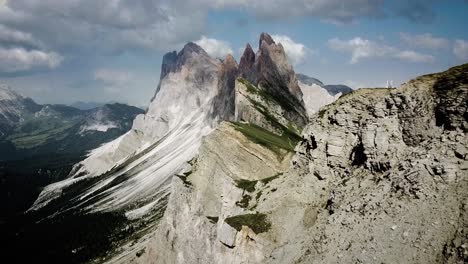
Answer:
x=169 y=134
x=12 y=108
x=42 y=142
x=130 y=177
x=380 y=176
x=64 y=129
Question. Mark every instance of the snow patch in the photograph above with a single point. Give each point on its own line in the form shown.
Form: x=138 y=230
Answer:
x=101 y=127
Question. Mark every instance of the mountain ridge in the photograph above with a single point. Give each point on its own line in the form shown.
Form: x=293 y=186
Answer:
x=373 y=175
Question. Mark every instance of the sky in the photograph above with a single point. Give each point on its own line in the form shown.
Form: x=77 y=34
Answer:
x=57 y=51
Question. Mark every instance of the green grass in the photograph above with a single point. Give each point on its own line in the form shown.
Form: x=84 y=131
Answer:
x=269 y=179
x=249 y=186
x=266 y=138
x=38 y=137
x=184 y=178
x=257 y=222
x=213 y=219
x=244 y=202
x=246 y=185
x=290 y=130
x=279 y=100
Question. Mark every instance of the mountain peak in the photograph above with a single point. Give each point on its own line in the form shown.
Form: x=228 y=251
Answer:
x=191 y=47
x=229 y=60
x=172 y=61
x=247 y=60
x=6 y=93
x=265 y=37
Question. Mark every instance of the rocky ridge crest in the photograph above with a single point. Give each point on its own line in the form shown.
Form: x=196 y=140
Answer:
x=380 y=176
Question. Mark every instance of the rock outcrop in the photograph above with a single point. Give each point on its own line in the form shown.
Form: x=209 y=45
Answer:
x=270 y=71
x=381 y=176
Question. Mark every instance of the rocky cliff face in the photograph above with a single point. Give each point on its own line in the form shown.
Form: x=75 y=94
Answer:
x=379 y=176
x=270 y=72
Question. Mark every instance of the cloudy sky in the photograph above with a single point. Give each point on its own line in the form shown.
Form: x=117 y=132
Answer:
x=61 y=51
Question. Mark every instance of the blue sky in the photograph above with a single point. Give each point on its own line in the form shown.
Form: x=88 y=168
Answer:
x=59 y=51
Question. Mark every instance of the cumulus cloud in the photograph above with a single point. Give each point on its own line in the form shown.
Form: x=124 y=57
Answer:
x=362 y=48
x=107 y=26
x=122 y=25
x=336 y=11
x=426 y=41
x=10 y=36
x=215 y=48
x=460 y=49
x=296 y=52
x=413 y=56
x=18 y=59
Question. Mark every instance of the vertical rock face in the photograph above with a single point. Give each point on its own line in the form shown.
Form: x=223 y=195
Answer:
x=376 y=178
x=452 y=106
x=246 y=65
x=270 y=76
x=223 y=104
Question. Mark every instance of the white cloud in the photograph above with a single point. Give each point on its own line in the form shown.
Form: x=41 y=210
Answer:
x=106 y=26
x=336 y=11
x=426 y=41
x=11 y=36
x=19 y=59
x=460 y=49
x=215 y=48
x=413 y=56
x=296 y=52
x=362 y=49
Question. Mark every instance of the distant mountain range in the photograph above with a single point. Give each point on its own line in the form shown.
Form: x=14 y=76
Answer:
x=88 y=105
x=28 y=128
x=332 y=89
x=40 y=143
x=316 y=94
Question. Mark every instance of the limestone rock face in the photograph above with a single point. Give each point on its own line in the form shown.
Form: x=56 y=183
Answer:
x=132 y=173
x=257 y=107
x=270 y=71
x=376 y=179
x=224 y=101
x=219 y=186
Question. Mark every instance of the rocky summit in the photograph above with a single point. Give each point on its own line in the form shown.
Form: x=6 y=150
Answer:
x=250 y=162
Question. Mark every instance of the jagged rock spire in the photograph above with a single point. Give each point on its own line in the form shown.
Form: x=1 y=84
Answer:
x=248 y=58
x=224 y=101
x=265 y=37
